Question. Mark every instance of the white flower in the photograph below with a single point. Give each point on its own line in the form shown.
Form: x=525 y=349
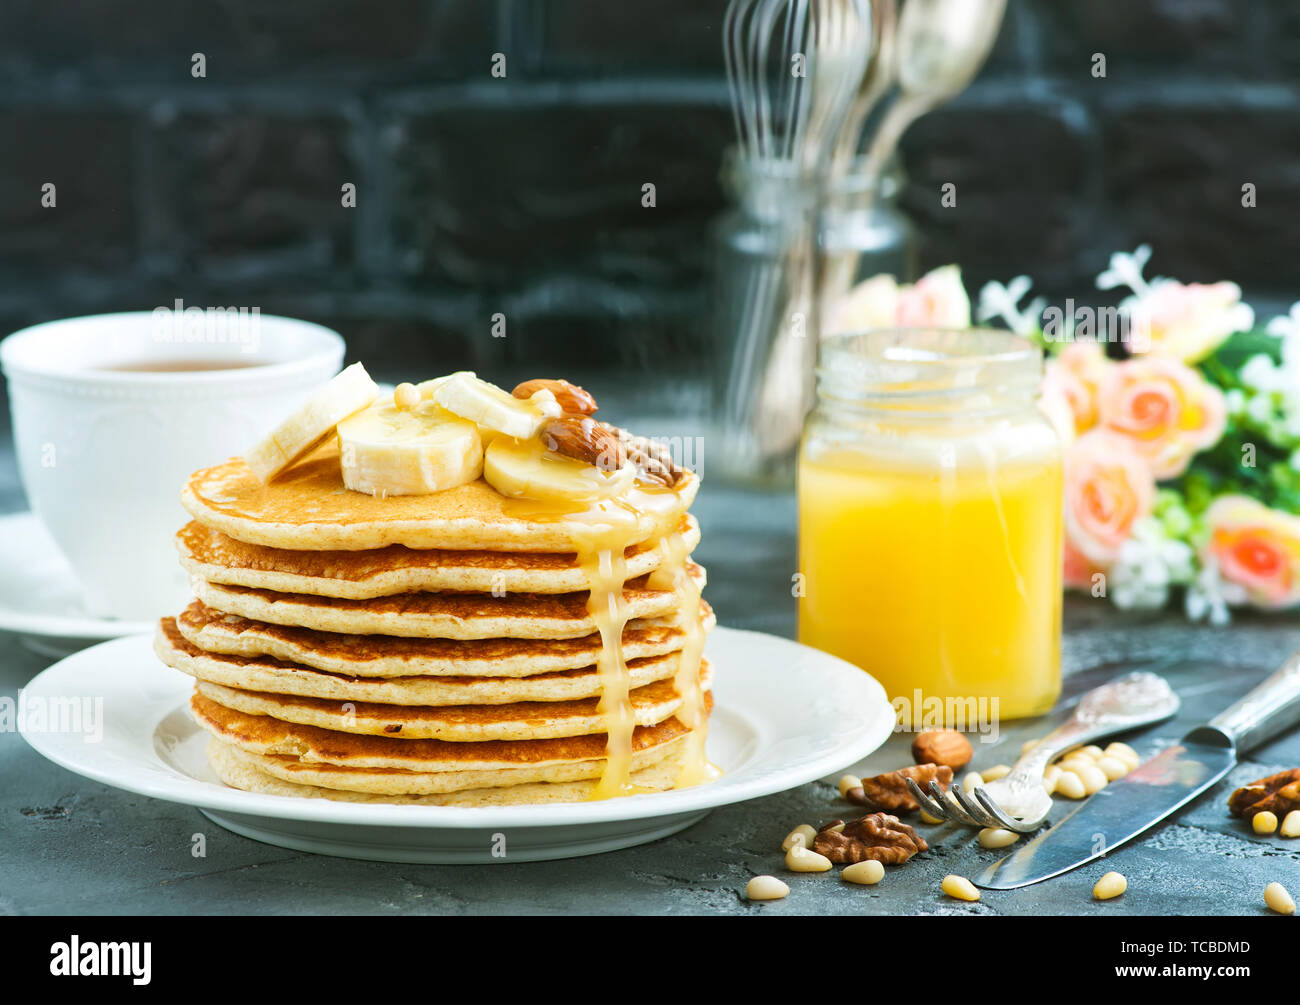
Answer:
x=1126 y=270
x=998 y=302
x=1287 y=325
x=1210 y=595
x=1149 y=563
x=1261 y=374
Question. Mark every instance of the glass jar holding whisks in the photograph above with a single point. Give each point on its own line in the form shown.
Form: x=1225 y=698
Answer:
x=783 y=238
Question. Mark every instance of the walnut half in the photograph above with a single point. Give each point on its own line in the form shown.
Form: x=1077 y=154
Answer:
x=889 y=792
x=1278 y=794
x=878 y=836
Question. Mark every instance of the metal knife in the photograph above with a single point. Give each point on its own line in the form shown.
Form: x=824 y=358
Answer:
x=1164 y=784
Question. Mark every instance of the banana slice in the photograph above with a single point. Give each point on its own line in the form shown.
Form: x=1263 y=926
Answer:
x=526 y=469
x=493 y=408
x=349 y=391
x=391 y=451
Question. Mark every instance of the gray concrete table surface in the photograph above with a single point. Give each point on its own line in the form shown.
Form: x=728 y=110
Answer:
x=72 y=846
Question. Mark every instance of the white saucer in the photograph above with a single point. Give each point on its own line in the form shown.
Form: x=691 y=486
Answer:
x=784 y=715
x=39 y=596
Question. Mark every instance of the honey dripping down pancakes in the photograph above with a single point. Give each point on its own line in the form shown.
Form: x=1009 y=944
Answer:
x=451 y=595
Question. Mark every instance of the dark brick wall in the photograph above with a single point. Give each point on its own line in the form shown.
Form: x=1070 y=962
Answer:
x=522 y=195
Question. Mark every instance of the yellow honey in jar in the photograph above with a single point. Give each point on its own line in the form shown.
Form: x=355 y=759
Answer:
x=930 y=521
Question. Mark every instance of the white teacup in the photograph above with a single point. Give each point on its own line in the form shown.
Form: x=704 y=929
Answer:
x=111 y=414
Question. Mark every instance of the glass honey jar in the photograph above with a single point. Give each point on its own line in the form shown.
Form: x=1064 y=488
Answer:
x=930 y=521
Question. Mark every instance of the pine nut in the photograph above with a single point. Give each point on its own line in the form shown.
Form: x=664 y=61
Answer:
x=1070 y=785
x=1123 y=752
x=765 y=888
x=1291 y=825
x=849 y=782
x=961 y=888
x=1109 y=886
x=972 y=781
x=994 y=773
x=1264 y=823
x=927 y=819
x=1050 y=777
x=997 y=837
x=406 y=396
x=1093 y=778
x=1091 y=750
x=1279 y=899
x=1028 y=745
x=867 y=873
x=803 y=834
x=801 y=859
x=1112 y=768
x=1076 y=763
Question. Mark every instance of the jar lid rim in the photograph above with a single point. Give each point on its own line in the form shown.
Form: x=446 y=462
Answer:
x=928 y=363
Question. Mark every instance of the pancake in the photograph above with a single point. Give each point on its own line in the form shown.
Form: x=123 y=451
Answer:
x=311 y=745
x=460 y=616
x=392 y=656
x=307 y=507
x=281 y=677
x=242 y=770
x=524 y=720
x=360 y=575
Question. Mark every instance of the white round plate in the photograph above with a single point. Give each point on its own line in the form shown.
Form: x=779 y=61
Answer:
x=784 y=714
x=39 y=596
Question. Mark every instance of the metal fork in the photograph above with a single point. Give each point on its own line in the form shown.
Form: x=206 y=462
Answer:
x=1018 y=801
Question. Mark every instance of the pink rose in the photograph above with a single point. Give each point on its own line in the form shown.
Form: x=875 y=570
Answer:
x=1186 y=322
x=1167 y=410
x=937 y=300
x=1108 y=488
x=1257 y=548
x=1075 y=374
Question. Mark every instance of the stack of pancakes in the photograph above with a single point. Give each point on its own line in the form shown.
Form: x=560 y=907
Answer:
x=436 y=649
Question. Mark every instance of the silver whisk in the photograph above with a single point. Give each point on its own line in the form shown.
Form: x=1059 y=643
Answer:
x=793 y=68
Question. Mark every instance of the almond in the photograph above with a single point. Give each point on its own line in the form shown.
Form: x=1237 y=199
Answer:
x=571 y=398
x=942 y=746
x=584 y=439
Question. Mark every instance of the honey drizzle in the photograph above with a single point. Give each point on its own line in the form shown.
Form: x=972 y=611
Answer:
x=603 y=561
x=696 y=767
x=609 y=528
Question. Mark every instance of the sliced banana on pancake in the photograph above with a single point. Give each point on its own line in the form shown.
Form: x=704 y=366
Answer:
x=525 y=469
x=348 y=392
x=386 y=450
x=493 y=408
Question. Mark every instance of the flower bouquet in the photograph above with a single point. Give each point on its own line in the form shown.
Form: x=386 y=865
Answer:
x=1180 y=420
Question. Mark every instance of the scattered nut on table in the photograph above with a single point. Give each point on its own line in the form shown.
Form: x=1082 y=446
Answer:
x=849 y=782
x=888 y=793
x=997 y=837
x=1070 y=785
x=1264 y=822
x=1111 y=885
x=801 y=859
x=1291 y=825
x=803 y=834
x=1277 y=794
x=878 y=836
x=766 y=888
x=1279 y=899
x=959 y=888
x=942 y=746
x=1123 y=752
x=868 y=872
